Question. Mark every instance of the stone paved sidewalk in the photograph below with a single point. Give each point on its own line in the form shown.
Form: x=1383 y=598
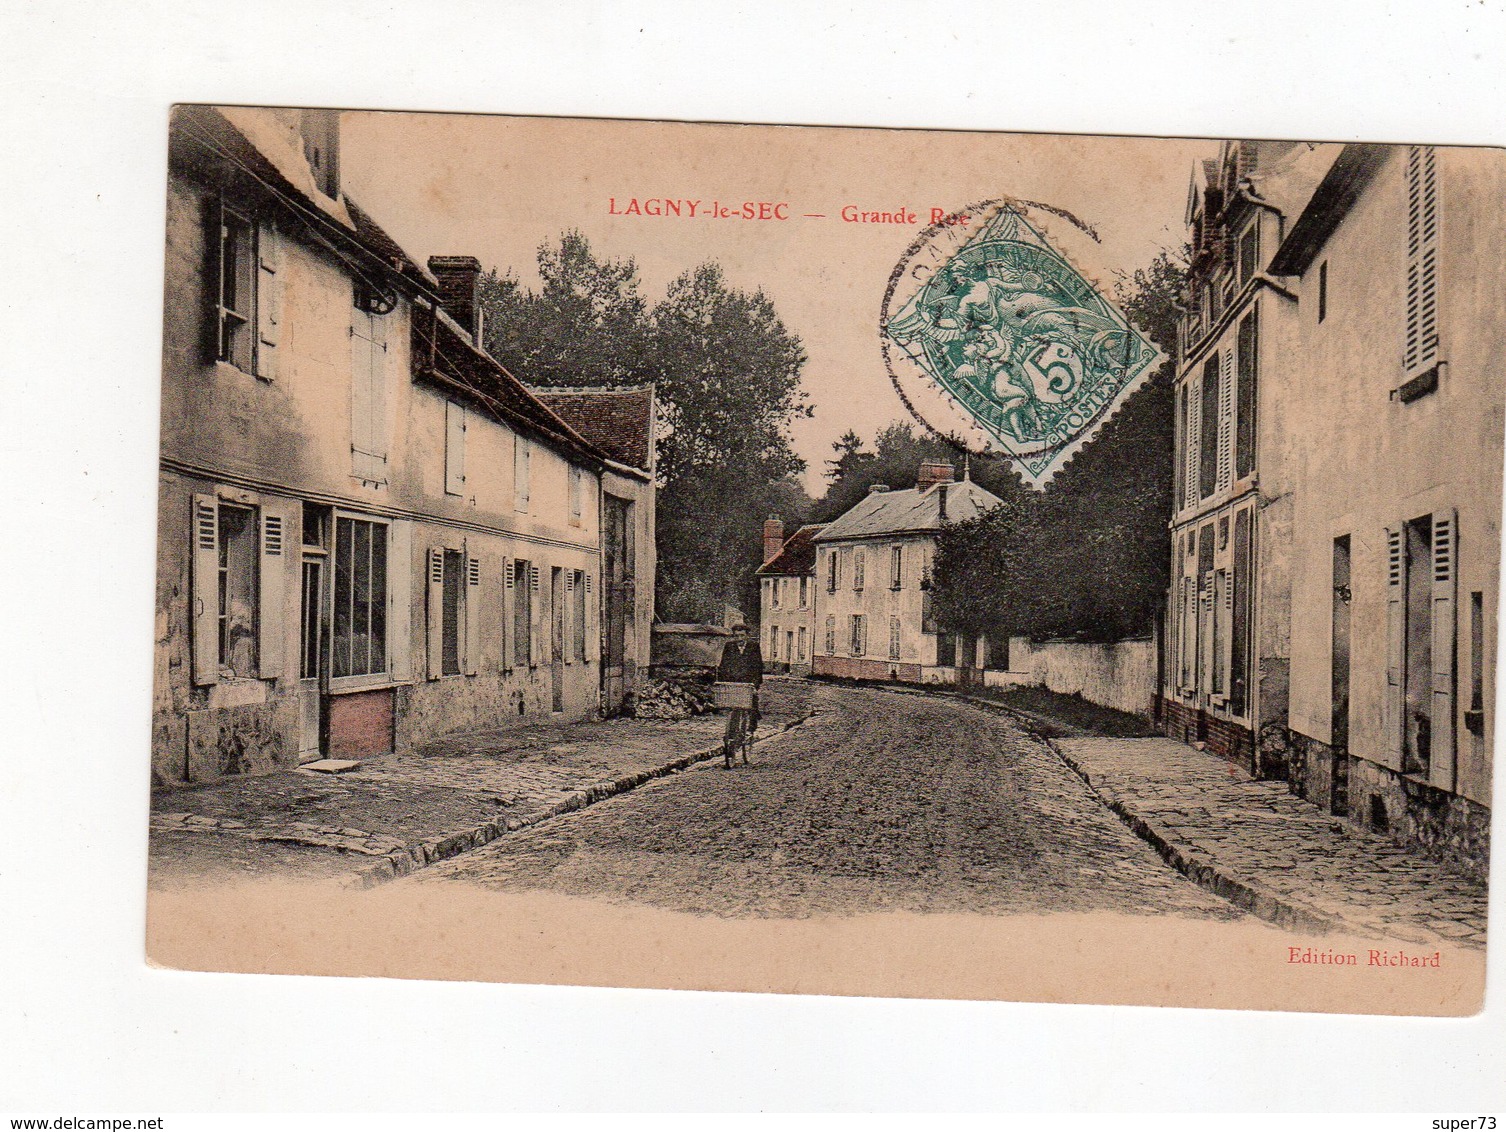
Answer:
x=400 y=812
x=1272 y=853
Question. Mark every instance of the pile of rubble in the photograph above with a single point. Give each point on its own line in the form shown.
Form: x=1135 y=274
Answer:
x=674 y=699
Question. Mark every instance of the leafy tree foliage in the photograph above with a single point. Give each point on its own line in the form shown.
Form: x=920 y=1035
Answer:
x=727 y=375
x=1088 y=557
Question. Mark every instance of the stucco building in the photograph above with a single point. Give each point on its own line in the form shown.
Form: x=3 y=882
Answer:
x=872 y=611
x=621 y=422
x=1336 y=543
x=370 y=533
x=787 y=597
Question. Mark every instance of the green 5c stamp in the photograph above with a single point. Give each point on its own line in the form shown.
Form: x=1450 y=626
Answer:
x=1022 y=344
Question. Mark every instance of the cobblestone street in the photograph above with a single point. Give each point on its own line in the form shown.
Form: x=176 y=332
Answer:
x=883 y=801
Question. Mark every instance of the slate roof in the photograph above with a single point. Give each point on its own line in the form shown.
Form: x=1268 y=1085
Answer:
x=912 y=511
x=618 y=421
x=797 y=557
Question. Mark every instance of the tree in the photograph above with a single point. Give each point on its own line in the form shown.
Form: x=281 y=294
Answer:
x=1088 y=557
x=727 y=376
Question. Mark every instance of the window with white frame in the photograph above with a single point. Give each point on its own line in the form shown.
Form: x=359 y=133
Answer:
x=238 y=578
x=358 y=636
x=896 y=566
x=805 y=593
x=859 y=564
x=833 y=572
x=859 y=635
x=237 y=289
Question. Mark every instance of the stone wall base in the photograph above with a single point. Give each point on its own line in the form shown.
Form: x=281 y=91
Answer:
x=1413 y=814
x=853 y=668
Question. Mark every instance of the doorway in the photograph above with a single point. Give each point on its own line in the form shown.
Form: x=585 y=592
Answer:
x=1338 y=794
x=311 y=653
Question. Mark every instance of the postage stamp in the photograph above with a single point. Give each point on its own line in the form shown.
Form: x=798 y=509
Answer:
x=1022 y=343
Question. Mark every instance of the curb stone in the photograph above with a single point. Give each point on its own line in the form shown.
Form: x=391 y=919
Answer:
x=408 y=860
x=1192 y=862
x=1187 y=859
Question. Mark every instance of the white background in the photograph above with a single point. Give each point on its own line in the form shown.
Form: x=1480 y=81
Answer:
x=85 y=1026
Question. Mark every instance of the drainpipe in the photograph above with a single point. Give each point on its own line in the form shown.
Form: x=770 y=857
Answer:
x=1246 y=190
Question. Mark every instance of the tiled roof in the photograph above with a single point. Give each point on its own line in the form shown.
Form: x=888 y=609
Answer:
x=473 y=375
x=910 y=511
x=798 y=554
x=618 y=421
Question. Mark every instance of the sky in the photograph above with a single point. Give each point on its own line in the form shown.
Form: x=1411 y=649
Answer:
x=497 y=187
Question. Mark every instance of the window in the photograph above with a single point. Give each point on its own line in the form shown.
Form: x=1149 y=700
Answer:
x=859 y=635
x=801 y=640
x=578 y=632
x=454 y=448
x=894 y=638
x=577 y=495
x=1322 y=290
x=359 y=640
x=237 y=290
x=1421 y=346
x=450 y=600
x=773 y=585
x=833 y=573
x=525 y=576
x=1474 y=718
x=1239 y=627
x=831 y=635
x=1208 y=430
x=805 y=593
x=1420 y=620
x=859 y=563
x=368 y=396
x=522 y=473
x=237 y=578
x=1245 y=400
x=1249 y=252
x=896 y=566
x=1191 y=442
x=237 y=590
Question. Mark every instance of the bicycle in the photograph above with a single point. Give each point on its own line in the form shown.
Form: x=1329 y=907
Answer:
x=741 y=724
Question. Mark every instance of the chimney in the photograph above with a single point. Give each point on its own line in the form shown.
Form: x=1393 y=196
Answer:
x=459 y=290
x=933 y=472
x=773 y=538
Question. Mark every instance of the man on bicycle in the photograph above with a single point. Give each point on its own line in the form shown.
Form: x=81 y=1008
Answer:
x=741 y=663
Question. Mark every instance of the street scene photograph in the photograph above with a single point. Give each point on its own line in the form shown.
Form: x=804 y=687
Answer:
x=827 y=560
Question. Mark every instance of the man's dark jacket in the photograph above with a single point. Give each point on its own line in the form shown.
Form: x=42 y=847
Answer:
x=741 y=666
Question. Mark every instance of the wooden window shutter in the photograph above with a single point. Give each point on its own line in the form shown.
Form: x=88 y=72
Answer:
x=535 y=626
x=593 y=638
x=1421 y=348
x=209 y=336
x=508 y=597
x=204 y=607
x=472 y=614
x=1444 y=632
x=436 y=612
x=1226 y=419
x=454 y=448
x=400 y=596
x=271 y=640
x=1392 y=716
x=1192 y=450
x=269 y=280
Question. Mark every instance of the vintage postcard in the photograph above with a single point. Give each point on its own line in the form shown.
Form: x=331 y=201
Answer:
x=827 y=560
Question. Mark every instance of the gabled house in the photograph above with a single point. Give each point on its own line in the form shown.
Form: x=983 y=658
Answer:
x=370 y=533
x=787 y=597
x=873 y=617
